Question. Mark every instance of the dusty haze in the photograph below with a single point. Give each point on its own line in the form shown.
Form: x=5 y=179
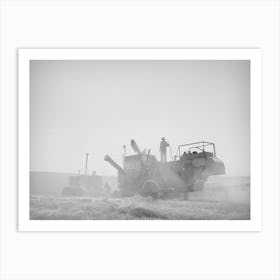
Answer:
x=98 y=106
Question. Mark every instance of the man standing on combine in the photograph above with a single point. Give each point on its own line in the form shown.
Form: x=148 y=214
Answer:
x=163 y=146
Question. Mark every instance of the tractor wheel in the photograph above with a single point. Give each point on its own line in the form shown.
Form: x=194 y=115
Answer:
x=150 y=188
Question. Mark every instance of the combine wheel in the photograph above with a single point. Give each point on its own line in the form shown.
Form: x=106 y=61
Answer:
x=150 y=188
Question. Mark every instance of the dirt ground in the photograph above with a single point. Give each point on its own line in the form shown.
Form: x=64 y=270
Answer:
x=227 y=201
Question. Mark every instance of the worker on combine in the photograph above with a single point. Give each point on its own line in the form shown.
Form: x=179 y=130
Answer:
x=163 y=146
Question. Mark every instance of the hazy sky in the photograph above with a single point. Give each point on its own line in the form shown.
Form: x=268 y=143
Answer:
x=98 y=106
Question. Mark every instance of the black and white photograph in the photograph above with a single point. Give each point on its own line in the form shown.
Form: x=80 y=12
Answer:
x=140 y=139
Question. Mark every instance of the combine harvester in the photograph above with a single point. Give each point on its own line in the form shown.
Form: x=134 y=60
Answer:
x=143 y=174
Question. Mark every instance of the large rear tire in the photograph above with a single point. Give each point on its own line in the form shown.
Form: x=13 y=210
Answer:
x=150 y=188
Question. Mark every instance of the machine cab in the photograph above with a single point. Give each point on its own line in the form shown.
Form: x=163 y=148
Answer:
x=201 y=154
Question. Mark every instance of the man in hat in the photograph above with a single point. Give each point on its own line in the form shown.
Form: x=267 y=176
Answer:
x=163 y=146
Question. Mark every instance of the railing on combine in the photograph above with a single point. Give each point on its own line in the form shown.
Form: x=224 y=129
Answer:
x=196 y=145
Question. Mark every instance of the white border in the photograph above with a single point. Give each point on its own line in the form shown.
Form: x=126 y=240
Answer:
x=24 y=57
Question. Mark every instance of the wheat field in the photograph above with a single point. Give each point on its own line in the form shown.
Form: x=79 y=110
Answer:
x=221 y=199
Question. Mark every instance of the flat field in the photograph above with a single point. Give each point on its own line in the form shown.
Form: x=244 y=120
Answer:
x=223 y=198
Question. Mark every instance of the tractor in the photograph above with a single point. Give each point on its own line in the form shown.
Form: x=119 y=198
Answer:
x=186 y=172
x=84 y=184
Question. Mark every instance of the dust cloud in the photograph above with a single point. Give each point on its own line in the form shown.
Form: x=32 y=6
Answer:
x=225 y=188
x=223 y=198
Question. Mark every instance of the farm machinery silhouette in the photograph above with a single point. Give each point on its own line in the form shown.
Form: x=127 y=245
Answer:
x=86 y=184
x=186 y=172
